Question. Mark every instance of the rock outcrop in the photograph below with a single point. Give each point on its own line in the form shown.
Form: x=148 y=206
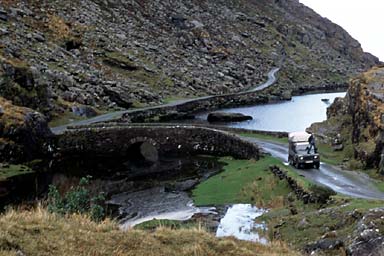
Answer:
x=24 y=133
x=368 y=237
x=359 y=118
x=119 y=53
x=227 y=117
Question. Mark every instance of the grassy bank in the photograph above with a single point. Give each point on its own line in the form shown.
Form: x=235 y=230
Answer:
x=245 y=181
x=337 y=220
x=38 y=232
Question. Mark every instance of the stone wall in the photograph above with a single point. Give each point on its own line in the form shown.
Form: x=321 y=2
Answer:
x=200 y=104
x=316 y=194
x=117 y=140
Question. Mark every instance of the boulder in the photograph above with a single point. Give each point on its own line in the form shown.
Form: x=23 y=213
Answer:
x=368 y=237
x=227 y=117
x=24 y=133
x=324 y=245
x=84 y=111
x=286 y=95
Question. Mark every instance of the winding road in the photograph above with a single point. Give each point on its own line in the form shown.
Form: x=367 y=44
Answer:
x=271 y=80
x=350 y=183
x=117 y=114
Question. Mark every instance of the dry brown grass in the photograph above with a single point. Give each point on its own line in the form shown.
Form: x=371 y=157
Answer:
x=12 y=115
x=59 y=27
x=38 y=232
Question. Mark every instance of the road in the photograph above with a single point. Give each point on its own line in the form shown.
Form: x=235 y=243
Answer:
x=117 y=114
x=271 y=80
x=350 y=183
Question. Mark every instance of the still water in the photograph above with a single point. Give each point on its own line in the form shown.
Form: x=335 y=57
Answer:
x=288 y=116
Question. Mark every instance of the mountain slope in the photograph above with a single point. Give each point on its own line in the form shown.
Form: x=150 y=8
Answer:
x=120 y=53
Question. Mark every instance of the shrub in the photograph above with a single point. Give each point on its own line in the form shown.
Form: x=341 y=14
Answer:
x=76 y=200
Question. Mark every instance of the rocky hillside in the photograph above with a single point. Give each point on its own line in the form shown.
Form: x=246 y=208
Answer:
x=359 y=118
x=58 y=55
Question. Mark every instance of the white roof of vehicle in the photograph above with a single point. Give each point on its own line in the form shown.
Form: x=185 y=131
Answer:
x=298 y=136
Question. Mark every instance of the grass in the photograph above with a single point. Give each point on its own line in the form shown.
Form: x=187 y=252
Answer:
x=266 y=137
x=172 y=224
x=172 y=99
x=378 y=178
x=38 y=232
x=13 y=170
x=350 y=204
x=335 y=217
x=242 y=181
x=329 y=156
x=66 y=118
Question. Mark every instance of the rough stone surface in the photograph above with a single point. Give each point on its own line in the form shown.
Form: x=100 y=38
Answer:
x=358 y=118
x=188 y=108
x=118 y=140
x=316 y=194
x=369 y=235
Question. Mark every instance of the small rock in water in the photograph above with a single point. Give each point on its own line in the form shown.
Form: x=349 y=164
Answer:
x=227 y=117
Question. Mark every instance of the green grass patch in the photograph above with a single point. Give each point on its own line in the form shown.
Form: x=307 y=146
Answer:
x=265 y=137
x=378 y=179
x=66 y=118
x=310 y=224
x=171 y=99
x=9 y=171
x=350 y=204
x=242 y=181
x=329 y=156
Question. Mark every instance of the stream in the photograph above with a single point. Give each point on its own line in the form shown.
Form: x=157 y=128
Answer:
x=238 y=220
x=163 y=192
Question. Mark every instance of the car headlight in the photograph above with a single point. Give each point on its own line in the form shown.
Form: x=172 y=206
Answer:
x=315 y=157
x=301 y=158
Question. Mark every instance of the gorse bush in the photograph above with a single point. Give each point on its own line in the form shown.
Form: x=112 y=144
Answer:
x=76 y=200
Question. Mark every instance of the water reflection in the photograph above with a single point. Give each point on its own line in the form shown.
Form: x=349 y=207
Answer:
x=295 y=115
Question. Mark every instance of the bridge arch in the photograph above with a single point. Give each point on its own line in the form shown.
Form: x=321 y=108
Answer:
x=142 y=149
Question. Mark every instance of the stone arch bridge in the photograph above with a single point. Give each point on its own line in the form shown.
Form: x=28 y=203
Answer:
x=150 y=141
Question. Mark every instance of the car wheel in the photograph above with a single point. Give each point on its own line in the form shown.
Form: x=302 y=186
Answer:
x=316 y=166
x=297 y=165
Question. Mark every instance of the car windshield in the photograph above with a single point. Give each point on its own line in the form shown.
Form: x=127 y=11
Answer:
x=302 y=148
